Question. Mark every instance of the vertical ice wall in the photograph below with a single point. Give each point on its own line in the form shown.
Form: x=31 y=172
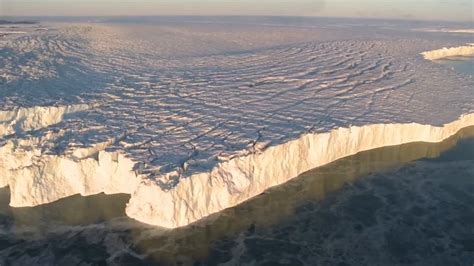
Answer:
x=239 y=179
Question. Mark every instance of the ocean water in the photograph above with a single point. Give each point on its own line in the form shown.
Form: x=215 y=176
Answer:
x=463 y=64
x=408 y=204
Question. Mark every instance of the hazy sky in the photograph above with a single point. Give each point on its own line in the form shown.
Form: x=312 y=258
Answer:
x=455 y=10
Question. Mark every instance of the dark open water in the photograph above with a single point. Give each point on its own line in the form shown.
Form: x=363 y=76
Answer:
x=403 y=205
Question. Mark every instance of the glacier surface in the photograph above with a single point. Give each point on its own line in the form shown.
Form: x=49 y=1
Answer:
x=191 y=119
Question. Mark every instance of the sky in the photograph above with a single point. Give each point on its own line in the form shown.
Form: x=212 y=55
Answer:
x=450 y=10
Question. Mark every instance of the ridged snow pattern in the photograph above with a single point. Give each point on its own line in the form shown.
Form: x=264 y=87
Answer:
x=191 y=125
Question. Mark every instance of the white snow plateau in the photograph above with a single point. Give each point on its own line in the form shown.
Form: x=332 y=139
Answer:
x=193 y=119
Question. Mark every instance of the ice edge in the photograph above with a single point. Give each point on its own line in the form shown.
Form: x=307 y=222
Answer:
x=241 y=178
x=36 y=178
x=465 y=50
x=26 y=119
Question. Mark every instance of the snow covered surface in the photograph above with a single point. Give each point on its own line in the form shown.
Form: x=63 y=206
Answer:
x=194 y=118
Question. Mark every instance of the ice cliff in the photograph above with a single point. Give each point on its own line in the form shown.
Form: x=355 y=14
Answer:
x=239 y=179
x=190 y=126
x=465 y=50
x=36 y=177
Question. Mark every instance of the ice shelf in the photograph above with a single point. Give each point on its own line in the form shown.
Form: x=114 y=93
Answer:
x=191 y=126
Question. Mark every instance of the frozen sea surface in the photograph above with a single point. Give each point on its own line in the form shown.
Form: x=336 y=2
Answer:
x=408 y=204
x=177 y=98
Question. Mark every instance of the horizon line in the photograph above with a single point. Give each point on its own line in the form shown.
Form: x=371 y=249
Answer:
x=256 y=16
